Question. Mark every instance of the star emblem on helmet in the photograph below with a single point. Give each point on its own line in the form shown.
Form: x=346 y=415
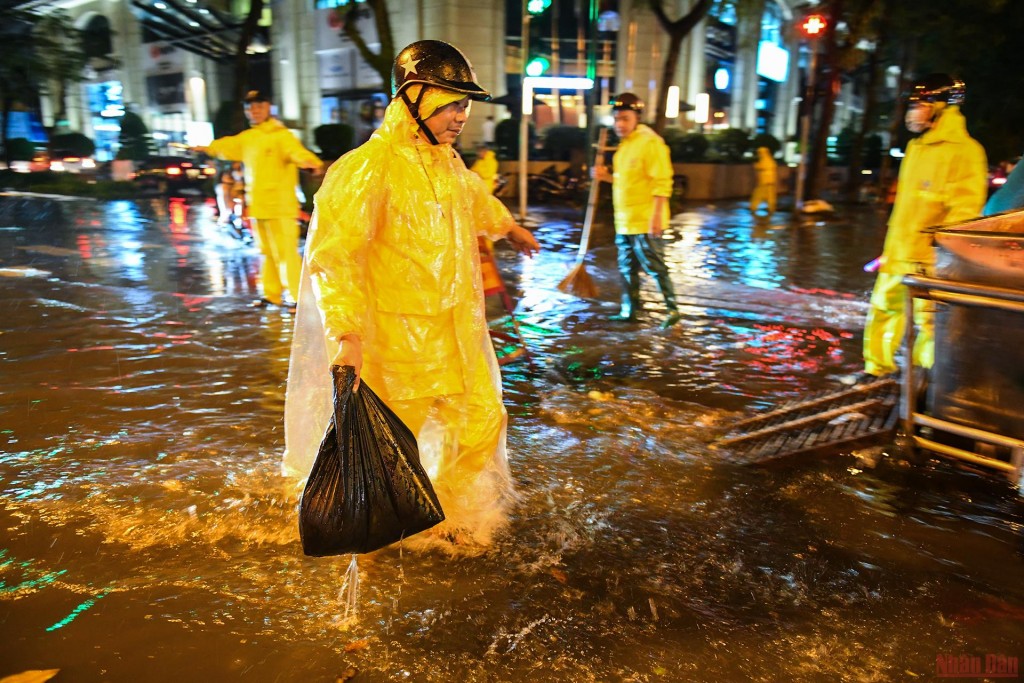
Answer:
x=410 y=65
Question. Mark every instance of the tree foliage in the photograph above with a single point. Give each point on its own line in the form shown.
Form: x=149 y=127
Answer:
x=136 y=143
x=37 y=50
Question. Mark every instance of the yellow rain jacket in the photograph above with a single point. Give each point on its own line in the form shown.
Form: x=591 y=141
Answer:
x=943 y=179
x=271 y=154
x=765 y=168
x=643 y=171
x=487 y=168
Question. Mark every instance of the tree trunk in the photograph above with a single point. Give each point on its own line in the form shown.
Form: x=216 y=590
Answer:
x=677 y=30
x=870 y=116
x=818 y=154
x=382 y=62
x=907 y=62
x=242 y=61
x=668 y=74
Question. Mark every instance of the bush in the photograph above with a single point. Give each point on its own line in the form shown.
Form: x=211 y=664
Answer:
x=766 y=140
x=20 y=149
x=334 y=139
x=565 y=143
x=730 y=144
x=506 y=138
x=136 y=144
x=69 y=184
x=72 y=144
x=844 y=143
x=686 y=147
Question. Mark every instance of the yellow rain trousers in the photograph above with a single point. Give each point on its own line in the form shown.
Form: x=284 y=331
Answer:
x=271 y=155
x=942 y=180
x=643 y=171
x=392 y=256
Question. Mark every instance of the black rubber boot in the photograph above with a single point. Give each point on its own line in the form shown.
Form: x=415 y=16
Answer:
x=673 y=317
x=629 y=308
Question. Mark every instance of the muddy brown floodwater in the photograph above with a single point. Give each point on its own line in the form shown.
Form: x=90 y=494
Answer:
x=148 y=535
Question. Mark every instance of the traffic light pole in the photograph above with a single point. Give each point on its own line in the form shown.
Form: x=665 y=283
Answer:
x=812 y=27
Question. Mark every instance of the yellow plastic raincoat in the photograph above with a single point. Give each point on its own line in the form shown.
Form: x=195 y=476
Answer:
x=392 y=256
x=767 y=172
x=272 y=155
x=643 y=171
x=942 y=180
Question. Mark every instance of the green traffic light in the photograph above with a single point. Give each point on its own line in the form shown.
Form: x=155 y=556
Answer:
x=537 y=6
x=537 y=66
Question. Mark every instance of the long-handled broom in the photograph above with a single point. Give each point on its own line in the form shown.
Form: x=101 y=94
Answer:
x=578 y=281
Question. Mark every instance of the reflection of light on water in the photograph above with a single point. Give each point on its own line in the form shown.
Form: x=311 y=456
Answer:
x=777 y=348
x=84 y=246
x=179 y=228
x=76 y=611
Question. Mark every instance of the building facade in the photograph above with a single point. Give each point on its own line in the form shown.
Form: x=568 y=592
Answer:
x=173 y=63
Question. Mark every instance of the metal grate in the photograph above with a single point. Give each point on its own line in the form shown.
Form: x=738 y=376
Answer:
x=829 y=422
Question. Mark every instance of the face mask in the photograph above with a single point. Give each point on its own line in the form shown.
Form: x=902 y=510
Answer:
x=918 y=118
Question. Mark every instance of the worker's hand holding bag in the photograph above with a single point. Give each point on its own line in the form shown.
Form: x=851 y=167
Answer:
x=367 y=488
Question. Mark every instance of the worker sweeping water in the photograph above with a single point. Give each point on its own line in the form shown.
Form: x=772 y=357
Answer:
x=641 y=180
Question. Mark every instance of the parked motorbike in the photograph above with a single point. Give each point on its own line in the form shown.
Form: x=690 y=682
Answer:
x=551 y=185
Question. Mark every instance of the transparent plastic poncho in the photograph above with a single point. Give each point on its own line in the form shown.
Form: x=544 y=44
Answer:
x=392 y=256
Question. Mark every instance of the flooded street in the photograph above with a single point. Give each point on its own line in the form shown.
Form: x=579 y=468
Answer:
x=149 y=536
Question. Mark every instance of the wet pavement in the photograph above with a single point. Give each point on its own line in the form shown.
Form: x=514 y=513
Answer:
x=148 y=535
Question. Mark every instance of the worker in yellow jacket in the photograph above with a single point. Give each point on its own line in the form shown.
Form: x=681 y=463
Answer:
x=394 y=278
x=943 y=179
x=271 y=155
x=767 y=174
x=486 y=166
x=641 y=180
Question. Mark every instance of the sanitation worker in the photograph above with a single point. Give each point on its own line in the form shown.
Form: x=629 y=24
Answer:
x=486 y=166
x=271 y=156
x=767 y=172
x=392 y=270
x=641 y=179
x=942 y=179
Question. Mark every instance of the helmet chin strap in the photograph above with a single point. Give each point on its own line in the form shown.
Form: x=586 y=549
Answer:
x=414 y=109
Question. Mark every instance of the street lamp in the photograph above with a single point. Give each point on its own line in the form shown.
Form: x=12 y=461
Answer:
x=812 y=28
x=526 y=110
x=530 y=8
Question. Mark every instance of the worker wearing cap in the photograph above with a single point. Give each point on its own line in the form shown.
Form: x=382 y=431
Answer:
x=641 y=180
x=271 y=155
x=943 y=179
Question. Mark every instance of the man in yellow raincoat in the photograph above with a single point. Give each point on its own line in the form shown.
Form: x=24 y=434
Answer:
x=767 y=172
x=394 y=275
x=271 y=155
x=486 y=166
x=641 y=180
x=943 y=179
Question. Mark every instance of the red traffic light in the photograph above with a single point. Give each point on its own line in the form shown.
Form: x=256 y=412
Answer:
x=814 y=25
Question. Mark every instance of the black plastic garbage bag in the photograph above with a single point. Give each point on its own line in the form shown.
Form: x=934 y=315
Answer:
x=367 y=488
